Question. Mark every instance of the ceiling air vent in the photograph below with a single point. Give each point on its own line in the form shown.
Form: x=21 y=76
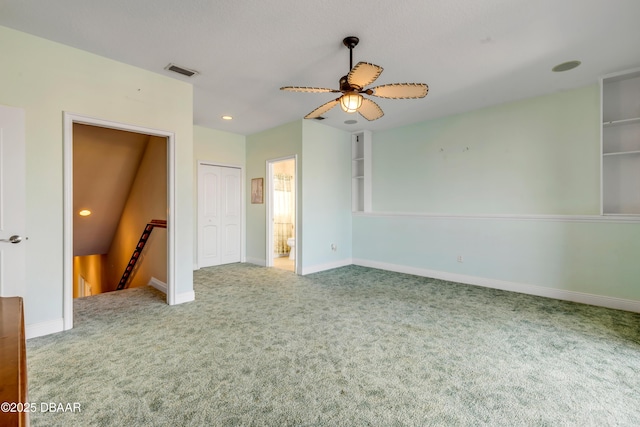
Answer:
x=181 y=70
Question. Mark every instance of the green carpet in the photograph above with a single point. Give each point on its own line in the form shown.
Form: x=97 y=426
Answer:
x=348 y=347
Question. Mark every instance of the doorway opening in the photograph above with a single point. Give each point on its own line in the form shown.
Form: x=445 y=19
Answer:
x=282 y=213
x=121 y=178
x=119 y=188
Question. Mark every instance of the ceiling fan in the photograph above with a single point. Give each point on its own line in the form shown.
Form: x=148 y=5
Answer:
x=352 y=86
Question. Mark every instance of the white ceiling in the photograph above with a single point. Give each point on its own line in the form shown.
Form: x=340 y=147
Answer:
x=472 y=53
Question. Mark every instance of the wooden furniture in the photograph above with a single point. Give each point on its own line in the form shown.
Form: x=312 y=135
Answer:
x=13 y=361
x=620 y=94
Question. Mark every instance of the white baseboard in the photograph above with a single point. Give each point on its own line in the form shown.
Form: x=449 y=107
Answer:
x=257 y=261
x=44 y=328
x=580 y=297
x=185 y=297
x=158 y=284
x=195 y=267
x=329 y=266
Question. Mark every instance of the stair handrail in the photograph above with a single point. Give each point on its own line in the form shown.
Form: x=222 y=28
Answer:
x=142 y=242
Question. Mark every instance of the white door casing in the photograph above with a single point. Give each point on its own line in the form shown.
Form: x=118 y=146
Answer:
x=219 y=215
x=69 y=120
x=268 y=191
x=12 y=202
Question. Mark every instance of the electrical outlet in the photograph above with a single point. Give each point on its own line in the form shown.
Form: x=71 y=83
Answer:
x=460 y=258
x=334 y=247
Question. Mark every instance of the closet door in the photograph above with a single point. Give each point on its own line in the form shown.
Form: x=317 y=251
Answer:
x=219 y=215
x=230 y=215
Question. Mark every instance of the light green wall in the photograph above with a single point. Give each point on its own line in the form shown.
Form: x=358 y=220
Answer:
x=324 y=190
x=537 y=156
x=587 y=257
x=535 y=163
x=281 y=141
x=218 y=146
x=46 y=79
x=326 y=183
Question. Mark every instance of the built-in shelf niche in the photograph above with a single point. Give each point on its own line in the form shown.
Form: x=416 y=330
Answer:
x=621 y=143
x=361 y=171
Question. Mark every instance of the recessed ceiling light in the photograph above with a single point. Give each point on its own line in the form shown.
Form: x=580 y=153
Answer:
x=350 y=122
x=566 y=66
x=227 y=118
x=84 y=212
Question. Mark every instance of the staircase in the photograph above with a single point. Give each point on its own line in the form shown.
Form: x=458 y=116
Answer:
x=138 y=250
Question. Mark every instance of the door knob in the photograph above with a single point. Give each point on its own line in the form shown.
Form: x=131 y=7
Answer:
x=13 y=239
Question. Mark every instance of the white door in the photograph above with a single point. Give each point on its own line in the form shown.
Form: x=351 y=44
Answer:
x=219 y=215
x=12 y=202
x=230 y=215
x=208 y=216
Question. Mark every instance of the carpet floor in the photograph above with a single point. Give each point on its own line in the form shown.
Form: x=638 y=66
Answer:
x=352 y=346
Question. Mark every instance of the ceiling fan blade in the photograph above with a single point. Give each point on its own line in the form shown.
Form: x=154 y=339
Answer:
x=322 y=109
x=363 y=74
x=370 y=110
x=308 y=89
x=401 y=91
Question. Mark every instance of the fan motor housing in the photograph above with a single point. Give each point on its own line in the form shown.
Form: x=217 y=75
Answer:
x=344 y=84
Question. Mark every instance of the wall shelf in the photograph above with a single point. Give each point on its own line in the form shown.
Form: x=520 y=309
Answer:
x=619 y=153
x=620 y=120
x=361 y=171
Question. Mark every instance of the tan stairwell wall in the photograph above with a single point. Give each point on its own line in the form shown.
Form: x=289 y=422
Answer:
x=91 y=267
x=147 y=201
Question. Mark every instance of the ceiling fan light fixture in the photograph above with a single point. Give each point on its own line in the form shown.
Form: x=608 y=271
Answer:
x=350 y=102
x=355 y=83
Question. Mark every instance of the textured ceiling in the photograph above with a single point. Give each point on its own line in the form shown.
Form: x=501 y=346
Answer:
x=472 y=53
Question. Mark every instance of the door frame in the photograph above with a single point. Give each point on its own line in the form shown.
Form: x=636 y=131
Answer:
x=243 y=221
x=67 y=240
x=268 y=192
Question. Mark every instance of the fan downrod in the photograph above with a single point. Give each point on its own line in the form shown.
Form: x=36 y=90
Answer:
x=350 y=42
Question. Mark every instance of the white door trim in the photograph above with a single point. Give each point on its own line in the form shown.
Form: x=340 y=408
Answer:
x=67 y=240
x=242 y=207
x=269 y=209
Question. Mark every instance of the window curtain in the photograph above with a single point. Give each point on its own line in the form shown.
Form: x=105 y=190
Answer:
x=283 y=212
